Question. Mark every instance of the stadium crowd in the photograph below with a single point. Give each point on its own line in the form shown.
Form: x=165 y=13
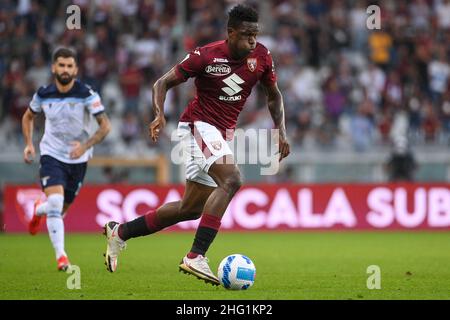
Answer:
x=344 y=86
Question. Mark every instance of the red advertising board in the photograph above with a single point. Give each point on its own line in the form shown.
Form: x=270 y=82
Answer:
x=257 y=207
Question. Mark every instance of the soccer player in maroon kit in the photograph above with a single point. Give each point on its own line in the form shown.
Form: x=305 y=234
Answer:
x=225 y=73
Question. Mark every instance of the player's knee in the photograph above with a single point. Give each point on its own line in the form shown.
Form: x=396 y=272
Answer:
x=55 y=204
x=232 y=183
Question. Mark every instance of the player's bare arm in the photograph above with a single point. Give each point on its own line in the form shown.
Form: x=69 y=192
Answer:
x=104 y=127
x=27 y=129
x=160 y=88
x=276 y=108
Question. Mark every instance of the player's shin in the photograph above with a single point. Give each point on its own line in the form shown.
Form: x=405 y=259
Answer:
x=206 y=232
x=141 y=226
x=154 y=221
x=55 y=224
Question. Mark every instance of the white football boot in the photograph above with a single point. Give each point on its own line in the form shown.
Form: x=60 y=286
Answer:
x=199 y=267
x=114 y=245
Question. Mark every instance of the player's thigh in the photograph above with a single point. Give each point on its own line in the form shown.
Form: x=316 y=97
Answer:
x=77 y=172
x=224 y=170
x=195 y=196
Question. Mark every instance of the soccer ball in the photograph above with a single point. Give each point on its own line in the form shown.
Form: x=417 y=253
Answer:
x=236 y=272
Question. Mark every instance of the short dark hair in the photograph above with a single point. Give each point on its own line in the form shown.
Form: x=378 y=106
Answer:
x=241 y=13
x=64 y=53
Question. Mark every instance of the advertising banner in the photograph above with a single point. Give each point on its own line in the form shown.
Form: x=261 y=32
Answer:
x=255 y=207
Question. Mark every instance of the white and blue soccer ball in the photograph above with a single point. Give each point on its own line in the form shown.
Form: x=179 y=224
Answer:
x=237 y=272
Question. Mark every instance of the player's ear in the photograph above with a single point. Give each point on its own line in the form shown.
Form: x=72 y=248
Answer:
x=53 y=68
x=231 y=32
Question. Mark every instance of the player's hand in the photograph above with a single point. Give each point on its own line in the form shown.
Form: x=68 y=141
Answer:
x=78 y=149
x=284 y=148
x=29 y=154
x=156 y=126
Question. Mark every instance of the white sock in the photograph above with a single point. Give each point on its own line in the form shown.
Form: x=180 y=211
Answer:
x=41 y=209
x=55 y=226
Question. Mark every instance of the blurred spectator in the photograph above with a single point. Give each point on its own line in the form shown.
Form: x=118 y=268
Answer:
x=129 y=10
x=94 y=68
x=20 y=41
x=400 y=125
x=439 y=73
x=401 y=164
x=430 y=124
x=285 y=44
x=130 y=128
x=380 y=43
x=302 y=125
x=19 y=104
x=363 y=127
x=373 y=80
x=420 y=14
x=146 y=51
x=443 y=14
x=334 y=100
x=445 y=116
x=421 y=60
x=39 y=74
x=130 y=81
x=326 y=132
x=384 y=123
x=359 y=31
x=393 y=91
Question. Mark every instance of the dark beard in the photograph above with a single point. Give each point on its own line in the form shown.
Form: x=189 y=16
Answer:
x=64 y=81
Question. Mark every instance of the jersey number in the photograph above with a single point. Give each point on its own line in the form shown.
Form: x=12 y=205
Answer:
x=233 y=83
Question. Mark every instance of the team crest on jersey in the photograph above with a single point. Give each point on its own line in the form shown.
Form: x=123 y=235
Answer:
x=71 y=105
x=216 y=145
x=252 y=63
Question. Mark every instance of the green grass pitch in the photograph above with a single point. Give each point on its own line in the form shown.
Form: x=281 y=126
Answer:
x=308 y=265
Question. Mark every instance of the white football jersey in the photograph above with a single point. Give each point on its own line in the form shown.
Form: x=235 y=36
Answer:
x=69 y=117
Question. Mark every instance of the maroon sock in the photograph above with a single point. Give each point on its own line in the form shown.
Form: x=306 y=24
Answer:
x=206 y=232
x=152 y=221
x=141 y=226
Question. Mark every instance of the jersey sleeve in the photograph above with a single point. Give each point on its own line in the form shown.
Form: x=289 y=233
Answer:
x=269 y=76
x=94 y=103
x=35 y=104
x=190 y=66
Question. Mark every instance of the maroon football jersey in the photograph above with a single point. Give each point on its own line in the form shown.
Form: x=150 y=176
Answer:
x=223 y=84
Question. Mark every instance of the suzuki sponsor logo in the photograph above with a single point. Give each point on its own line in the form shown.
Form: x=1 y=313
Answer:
x=232 y=83
x=232 y=98
x=233 y=87
x=218 y=69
